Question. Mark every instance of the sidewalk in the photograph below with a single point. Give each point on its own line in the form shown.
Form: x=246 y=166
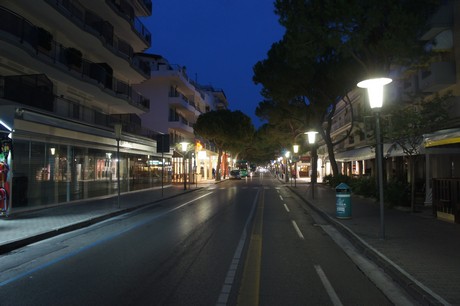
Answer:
x=21 y=229
x=420 y=252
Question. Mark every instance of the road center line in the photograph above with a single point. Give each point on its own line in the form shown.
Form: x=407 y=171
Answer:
x=327 y=285
x=227 y=287
x=250 y=281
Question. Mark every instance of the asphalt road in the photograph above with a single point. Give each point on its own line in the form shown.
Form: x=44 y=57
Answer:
x=242 y=242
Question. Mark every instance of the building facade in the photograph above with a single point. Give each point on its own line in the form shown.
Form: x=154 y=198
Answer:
x=66 y=75
x=177 y=102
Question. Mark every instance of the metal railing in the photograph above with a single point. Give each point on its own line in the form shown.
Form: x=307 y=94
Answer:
x=446 y=197
x=57 y=55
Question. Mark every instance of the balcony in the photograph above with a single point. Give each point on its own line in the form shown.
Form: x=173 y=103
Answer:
x=25 y=35
x=440 y=21
x=183 y=103
x=32 y=90
x=181 y=125
x=440 y=76
x=103 y=30
x=126 y=11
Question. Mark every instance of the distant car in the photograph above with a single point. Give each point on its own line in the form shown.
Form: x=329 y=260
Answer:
x=235 y=174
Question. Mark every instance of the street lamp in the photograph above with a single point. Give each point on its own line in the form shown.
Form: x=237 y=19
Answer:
x=312 y=140
x=375 y=92
x=184 y=146
x=295 y=148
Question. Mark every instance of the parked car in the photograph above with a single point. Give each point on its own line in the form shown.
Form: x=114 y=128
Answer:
x=235 y=174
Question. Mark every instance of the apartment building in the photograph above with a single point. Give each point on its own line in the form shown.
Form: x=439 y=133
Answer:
x=68 y=110
x=176 y=102
x=439 y=152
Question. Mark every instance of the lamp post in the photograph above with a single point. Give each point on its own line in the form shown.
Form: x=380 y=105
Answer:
x=312 y=140
x=375 y=91
x=295 y=148
x=118 y=138
x=184 y=146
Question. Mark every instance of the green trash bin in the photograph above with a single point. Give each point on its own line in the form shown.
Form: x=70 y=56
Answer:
x=343 y=201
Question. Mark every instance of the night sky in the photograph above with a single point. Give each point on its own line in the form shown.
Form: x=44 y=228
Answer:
x=219 y=41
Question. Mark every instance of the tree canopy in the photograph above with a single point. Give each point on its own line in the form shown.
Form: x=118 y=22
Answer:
x=228 y=130
x=327 y=48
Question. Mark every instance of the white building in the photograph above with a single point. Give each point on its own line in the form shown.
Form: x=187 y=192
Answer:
x=176 y=103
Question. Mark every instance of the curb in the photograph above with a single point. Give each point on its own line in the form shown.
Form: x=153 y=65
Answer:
x=14 y=245
x=415 y=289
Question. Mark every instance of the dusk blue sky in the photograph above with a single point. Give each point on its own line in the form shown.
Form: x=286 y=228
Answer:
x=219 y=41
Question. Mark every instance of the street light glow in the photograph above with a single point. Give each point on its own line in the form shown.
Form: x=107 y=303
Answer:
x=375 y=90
x=184 y=146
x=295 y=148
x=311 y=136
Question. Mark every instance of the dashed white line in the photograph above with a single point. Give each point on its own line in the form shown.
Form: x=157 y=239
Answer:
x=327 y=285
x=287 y=208
x=299 y=233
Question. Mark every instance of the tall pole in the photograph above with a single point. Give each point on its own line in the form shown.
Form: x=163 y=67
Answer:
x=118 y=172
x=375 y=92
x=379 y=158
x=162 y=168
x=295 y=174
x=313 y=172
x=118 y=128
x=185 y=174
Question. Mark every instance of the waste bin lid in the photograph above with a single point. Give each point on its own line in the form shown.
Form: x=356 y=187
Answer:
x=342 y=187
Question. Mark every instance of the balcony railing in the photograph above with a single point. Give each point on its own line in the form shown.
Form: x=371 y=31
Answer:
x=103 y=30
x=55 y=54
x=33 y=90
x=446 y=198
x=125 y=10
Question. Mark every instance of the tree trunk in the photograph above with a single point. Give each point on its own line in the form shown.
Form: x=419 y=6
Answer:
x=219 y=161
x=330 y=151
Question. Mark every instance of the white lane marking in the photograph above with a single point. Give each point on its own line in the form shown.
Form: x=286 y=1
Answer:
x=227 y=286
x=299 y=233
x=281 y=198
x=287 y=208
x=327 y=285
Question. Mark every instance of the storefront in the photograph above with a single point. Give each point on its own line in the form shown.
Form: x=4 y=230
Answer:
x=55 y=161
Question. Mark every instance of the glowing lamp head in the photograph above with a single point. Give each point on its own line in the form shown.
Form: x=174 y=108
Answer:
x=311 y=136
x=184 y=146
x=295 y=148
x=375 y=90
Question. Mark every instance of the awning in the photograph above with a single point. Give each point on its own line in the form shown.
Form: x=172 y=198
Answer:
x=368 y=152
x=442 y=138
x=356 y=154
